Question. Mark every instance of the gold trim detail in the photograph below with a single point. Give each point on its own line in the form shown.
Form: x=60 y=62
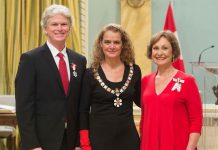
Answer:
x=135 y=3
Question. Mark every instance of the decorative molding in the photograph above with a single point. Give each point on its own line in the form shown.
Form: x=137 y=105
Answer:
x=84 y=27
x=135 y=3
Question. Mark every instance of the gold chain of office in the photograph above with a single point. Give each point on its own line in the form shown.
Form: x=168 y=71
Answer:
x=118 y=101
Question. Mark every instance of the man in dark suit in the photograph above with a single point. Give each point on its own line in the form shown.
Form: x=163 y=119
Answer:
x=47 y=88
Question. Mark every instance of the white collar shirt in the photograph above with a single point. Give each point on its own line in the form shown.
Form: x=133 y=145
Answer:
x=54 y=52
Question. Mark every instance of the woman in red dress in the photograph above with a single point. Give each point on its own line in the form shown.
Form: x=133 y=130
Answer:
x=171 y=105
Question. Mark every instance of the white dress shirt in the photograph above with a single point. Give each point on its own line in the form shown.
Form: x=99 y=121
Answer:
x=55 y=52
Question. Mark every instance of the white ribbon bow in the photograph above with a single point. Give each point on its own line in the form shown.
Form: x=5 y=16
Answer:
x=177 y=85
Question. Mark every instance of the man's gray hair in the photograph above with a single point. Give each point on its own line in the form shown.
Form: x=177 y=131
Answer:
x=54 y=10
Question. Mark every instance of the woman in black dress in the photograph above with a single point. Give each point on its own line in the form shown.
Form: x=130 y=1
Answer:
x=110 y=86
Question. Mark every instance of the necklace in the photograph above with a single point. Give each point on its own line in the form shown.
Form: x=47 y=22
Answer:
x=117 y=101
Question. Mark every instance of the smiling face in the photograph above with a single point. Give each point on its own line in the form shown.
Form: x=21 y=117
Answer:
x=57 y=29
x=162 y=52
x=111 y=45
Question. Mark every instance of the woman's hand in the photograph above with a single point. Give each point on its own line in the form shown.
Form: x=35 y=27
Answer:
x=193 y=141
x=38 y=148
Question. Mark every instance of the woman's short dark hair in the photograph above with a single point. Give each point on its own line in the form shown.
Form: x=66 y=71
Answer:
x=170 y=36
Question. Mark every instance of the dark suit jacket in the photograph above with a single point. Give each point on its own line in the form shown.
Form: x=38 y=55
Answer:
x=41 y=105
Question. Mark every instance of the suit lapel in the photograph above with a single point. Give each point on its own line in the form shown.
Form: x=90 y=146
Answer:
x=51 y=62
x=72 y=61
